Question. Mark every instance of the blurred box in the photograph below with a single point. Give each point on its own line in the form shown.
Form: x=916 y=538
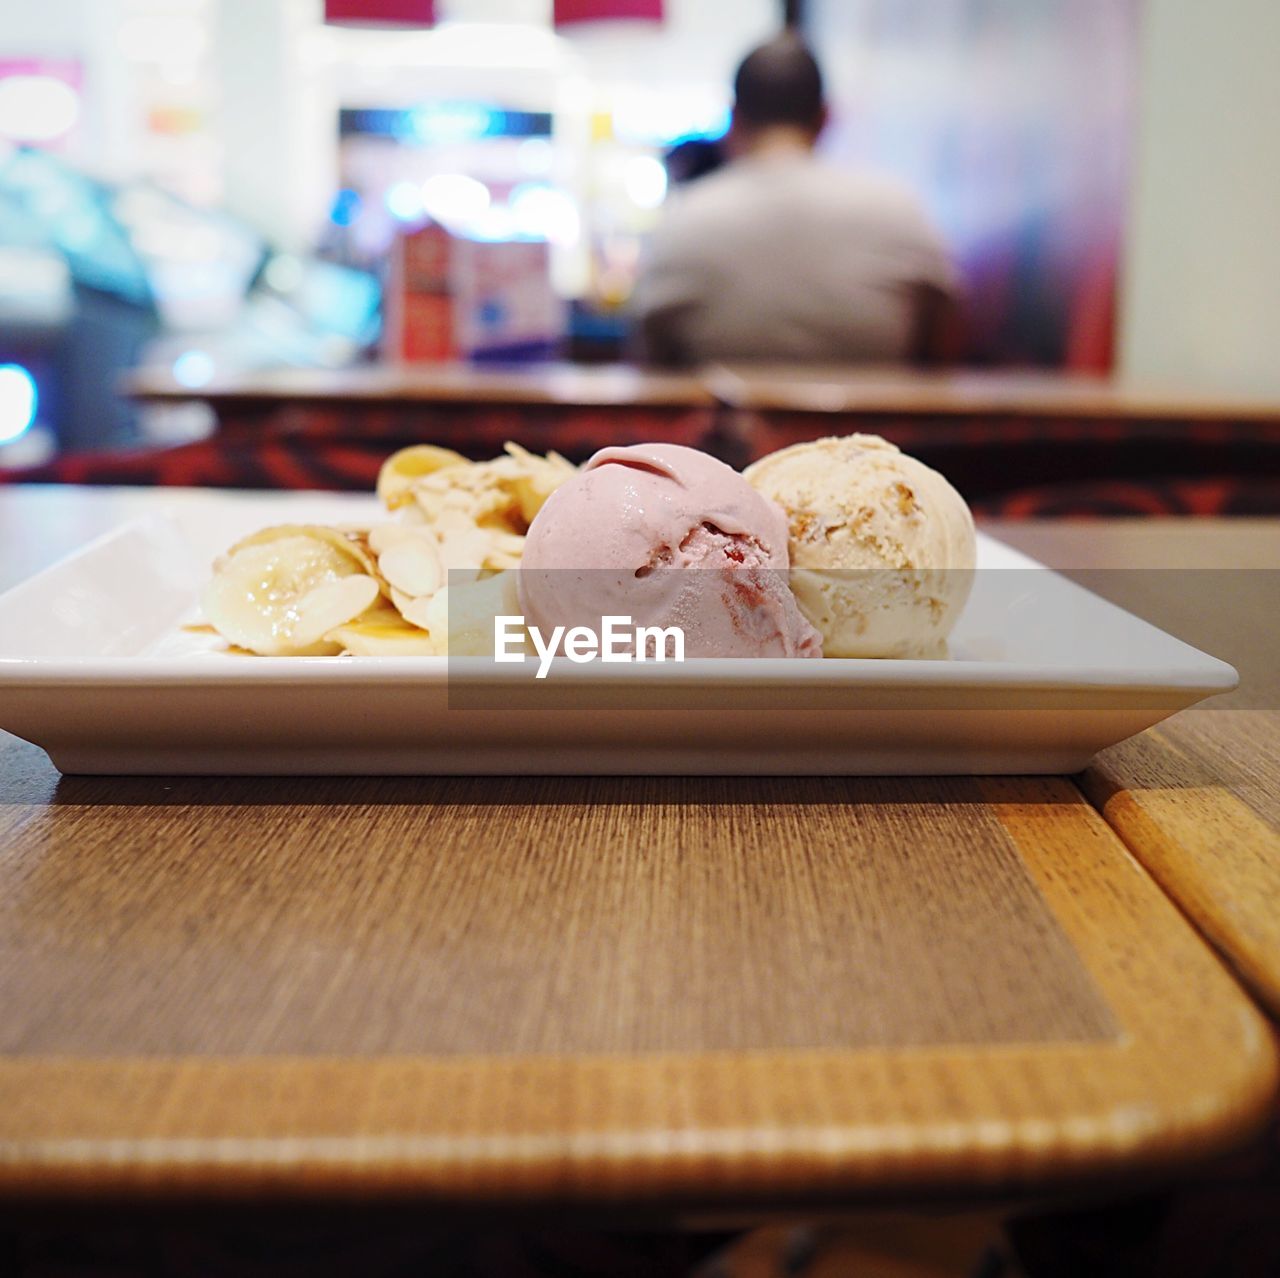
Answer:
x=418 y=316
x=426 y=259
x=449 y=297
x=504 y=305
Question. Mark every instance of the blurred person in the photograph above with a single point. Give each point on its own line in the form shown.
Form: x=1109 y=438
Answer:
x=779 y=256
x=692 y=159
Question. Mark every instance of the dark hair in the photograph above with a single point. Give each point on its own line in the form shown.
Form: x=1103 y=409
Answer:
x=779 y=83
x=693 y=158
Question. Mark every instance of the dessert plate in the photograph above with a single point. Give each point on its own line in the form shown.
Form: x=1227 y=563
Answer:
x=97 y=668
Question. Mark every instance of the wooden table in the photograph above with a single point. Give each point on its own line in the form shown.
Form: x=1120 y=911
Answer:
x=534 y=385
x=672 y=994
x=788 y=388
x=574 y=409
x=1079 y=440
x=1197 y=799
x=972 y=392
x=314 y=428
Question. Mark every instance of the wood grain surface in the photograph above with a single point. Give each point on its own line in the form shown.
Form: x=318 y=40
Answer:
x=1198 y=798
x=1214 y=583
x=498 y=916
x=569 y=385
x=969 y=392
x=799 y=388
x=1149 y=544
x=597 y=991
x=1198 y=801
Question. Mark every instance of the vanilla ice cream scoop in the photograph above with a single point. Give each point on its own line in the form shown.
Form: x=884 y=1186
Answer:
x=605 y=541
x=882 y=548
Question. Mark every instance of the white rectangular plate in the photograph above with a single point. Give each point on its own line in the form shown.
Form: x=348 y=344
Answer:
x=96 y=668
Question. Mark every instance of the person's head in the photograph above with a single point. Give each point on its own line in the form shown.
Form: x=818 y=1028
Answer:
x=778 y=91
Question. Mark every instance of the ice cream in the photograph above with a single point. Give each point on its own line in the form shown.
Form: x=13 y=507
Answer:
x=882 y=548
x=604 y=541
x=843 y=547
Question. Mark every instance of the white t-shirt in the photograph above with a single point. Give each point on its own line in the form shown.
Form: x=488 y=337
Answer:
x=782 y=257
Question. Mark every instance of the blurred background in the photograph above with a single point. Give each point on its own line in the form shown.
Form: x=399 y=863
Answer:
x=194 y=192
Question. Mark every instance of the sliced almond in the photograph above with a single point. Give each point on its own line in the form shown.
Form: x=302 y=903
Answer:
x=435 y=616
x=416 y=609
x=536 y=478
x=410 y=559
x=400 y=472
x=464 y=548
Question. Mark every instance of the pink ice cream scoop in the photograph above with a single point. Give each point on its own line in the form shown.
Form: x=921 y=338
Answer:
x=604 y=541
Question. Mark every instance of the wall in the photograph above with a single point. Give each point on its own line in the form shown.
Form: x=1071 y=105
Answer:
x=1012 y=122
x=270 y=78
x=700 y=41
x=1201 y=293
x=149 y=99
x=82 y=31
x=276 y=117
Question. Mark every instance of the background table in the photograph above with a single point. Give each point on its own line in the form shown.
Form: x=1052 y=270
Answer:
x=1065 y=444
x=799 y=388
x=679 y=994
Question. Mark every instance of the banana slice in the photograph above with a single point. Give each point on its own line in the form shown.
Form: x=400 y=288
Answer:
x=302 y=589
x=400 y=471
x=351 y=542
x=281 y=591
